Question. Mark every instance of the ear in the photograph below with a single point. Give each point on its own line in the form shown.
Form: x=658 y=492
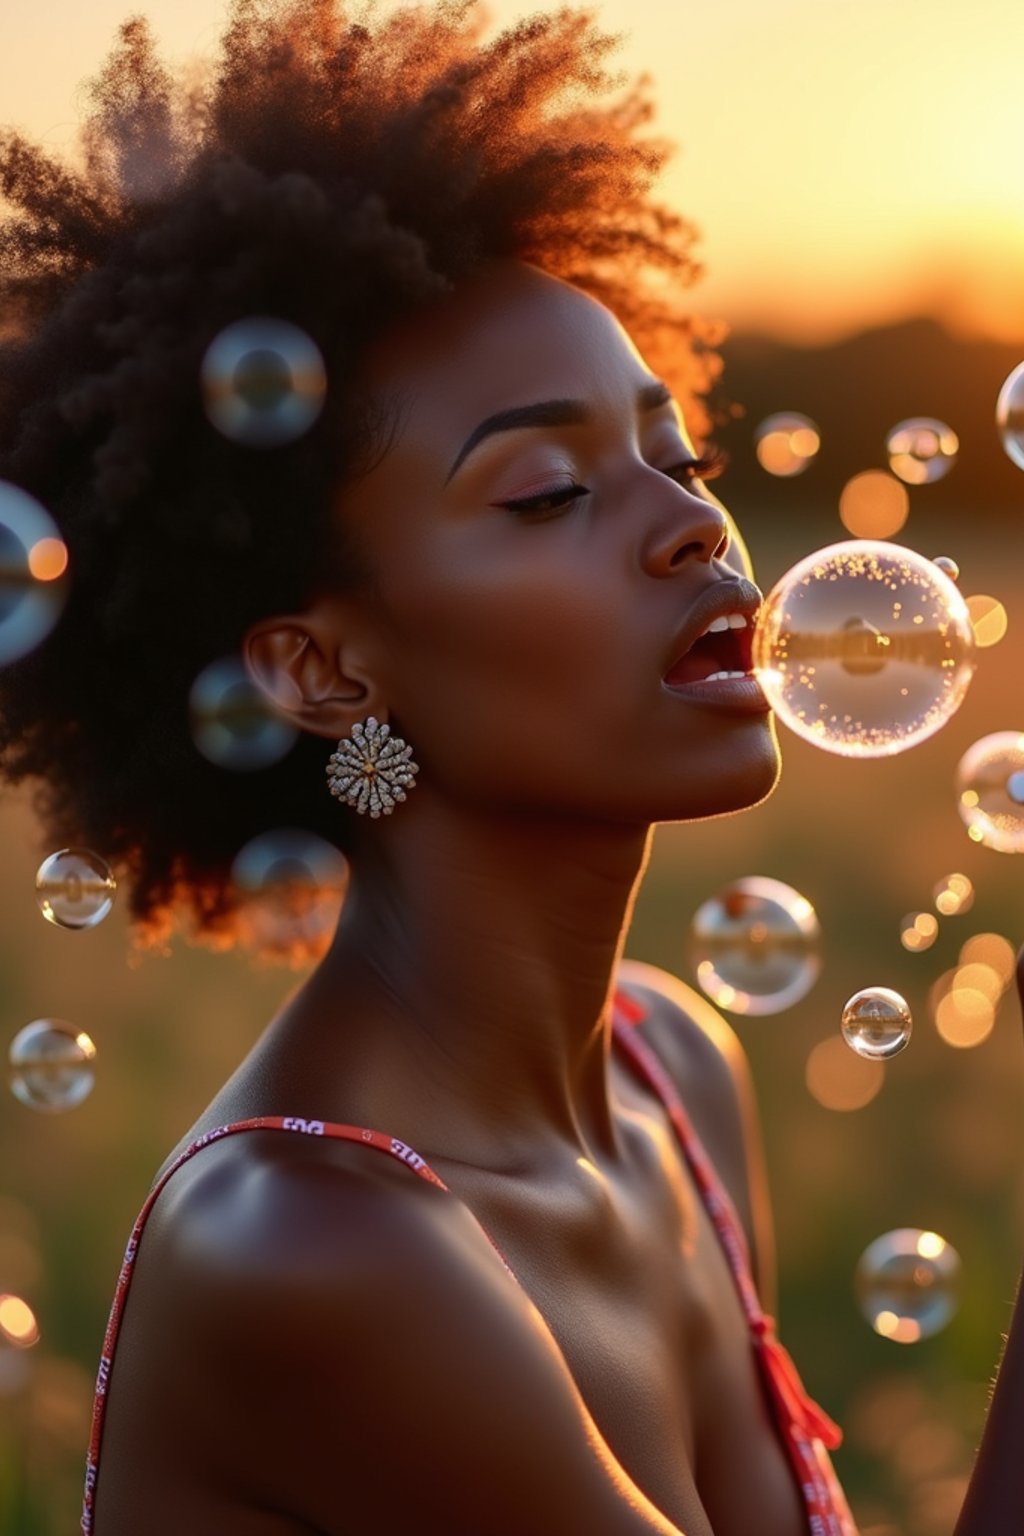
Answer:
x=314 y=668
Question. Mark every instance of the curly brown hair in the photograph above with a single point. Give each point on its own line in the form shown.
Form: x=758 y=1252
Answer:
x=336 y=173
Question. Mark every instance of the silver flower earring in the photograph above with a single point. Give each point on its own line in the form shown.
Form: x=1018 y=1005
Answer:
x=371 y=769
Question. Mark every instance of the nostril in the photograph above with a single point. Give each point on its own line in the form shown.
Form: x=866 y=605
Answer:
x=696 y=549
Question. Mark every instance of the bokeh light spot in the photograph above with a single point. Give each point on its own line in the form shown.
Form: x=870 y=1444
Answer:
x=786 y=443
x=840 y=1081
x=988 y=619
x=873 y=505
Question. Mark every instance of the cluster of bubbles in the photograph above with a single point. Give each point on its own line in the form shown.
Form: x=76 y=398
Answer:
x=906 y=1283
x=864 y=649
x=952 y=896
x=964 y=1000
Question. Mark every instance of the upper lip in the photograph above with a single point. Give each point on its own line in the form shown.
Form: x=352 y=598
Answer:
x=722 y=597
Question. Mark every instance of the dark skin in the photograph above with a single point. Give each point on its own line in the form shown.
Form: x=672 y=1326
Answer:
x=318 y=1341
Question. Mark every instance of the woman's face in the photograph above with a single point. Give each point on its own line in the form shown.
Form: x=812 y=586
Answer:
x=524 y=652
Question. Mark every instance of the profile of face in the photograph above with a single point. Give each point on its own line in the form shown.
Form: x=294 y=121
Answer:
x=536 y=579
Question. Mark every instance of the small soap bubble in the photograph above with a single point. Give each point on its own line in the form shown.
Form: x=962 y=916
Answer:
x=33 y=563
x=51 y=1066
x=906 y=1284
x=292 y=883
x=1010 y=415
x=786 y=443
x=75 y=888
x=864 y=648
x=921 y=450
x=989 y=786
x=876 y=1023
x=233 y=724
x=754 y=946
x=948 y=566
x=263 y=382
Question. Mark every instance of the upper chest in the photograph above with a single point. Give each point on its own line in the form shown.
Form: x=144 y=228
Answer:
x=631 y=1279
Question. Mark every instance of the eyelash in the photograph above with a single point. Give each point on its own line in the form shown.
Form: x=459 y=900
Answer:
x=710 y=463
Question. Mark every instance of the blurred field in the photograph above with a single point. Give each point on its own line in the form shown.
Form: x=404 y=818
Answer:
x=940 y=1147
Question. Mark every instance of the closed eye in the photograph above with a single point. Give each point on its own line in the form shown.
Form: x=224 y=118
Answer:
x=710 y=464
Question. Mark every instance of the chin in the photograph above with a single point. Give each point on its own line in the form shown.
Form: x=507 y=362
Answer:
x=746 y=779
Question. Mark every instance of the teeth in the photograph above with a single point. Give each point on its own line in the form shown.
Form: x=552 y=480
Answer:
x=722 y=677
x=726 y=621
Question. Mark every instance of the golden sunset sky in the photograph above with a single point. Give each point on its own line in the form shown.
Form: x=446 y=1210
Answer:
x=848 y=161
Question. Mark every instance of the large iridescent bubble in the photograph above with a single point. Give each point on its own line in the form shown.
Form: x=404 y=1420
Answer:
x=864 y=648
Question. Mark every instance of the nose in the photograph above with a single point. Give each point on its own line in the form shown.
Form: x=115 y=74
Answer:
x=684 y=528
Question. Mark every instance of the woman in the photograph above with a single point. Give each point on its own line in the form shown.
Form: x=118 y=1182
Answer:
x=508 y=1272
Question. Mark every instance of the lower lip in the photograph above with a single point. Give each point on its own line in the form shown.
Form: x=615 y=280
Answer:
x=734 y=695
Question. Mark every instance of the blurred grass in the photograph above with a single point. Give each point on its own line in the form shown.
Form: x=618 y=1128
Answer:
x=940 y=1147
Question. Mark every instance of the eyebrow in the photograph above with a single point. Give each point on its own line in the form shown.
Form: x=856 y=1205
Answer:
x=553 y=413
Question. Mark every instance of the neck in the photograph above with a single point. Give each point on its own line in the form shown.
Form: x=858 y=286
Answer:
x=478 y=955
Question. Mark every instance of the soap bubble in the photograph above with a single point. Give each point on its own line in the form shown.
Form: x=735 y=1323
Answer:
x=233 y=723
x=921 y=450
x=990 y=791
x=33 y=562
x=876 y=1023
x=948 y=566
x=864 y=648
x=51 y=1065
x=906 y=1283
x=75 y=888
x=754 y=946
x=263 y=382
x=292 y=883
x=1010 y=415
x=786 y=443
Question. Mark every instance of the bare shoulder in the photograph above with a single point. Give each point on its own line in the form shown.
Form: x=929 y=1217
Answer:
x=707 y=1062
x=310 y=1316
x=699 y=1047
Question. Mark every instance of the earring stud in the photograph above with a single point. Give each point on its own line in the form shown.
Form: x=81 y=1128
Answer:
x=371 y=770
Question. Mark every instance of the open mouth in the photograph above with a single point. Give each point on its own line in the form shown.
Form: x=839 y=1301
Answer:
x=724 y=651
